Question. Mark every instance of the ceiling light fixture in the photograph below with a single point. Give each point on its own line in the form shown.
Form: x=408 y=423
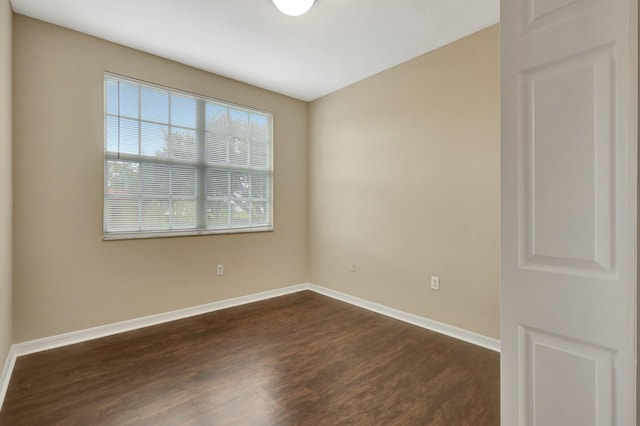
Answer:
x=293 y=7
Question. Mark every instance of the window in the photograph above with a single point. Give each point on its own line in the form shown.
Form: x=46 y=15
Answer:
x=179 y=164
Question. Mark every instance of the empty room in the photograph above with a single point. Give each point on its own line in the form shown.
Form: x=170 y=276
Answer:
x=307 y=212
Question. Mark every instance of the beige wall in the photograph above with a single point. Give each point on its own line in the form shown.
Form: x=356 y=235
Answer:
x=404 y=181
x=5 y=181
x=65 y=276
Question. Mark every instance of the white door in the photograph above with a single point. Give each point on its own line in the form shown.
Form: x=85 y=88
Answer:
x=568 y=211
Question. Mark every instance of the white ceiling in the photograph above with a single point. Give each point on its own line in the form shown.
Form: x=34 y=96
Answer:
x=338 y=42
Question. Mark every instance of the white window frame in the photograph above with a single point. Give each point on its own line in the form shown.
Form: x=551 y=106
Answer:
x=200 y=164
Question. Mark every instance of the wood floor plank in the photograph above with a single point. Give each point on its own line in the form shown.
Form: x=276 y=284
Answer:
x=300 y=359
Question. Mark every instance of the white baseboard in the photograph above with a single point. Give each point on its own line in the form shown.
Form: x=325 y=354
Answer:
x=449 y=330
x=65 y=339
x=6 y=374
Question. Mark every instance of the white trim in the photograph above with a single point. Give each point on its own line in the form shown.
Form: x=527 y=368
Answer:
x=6 y=373
x=438 y=327
x=65 y=339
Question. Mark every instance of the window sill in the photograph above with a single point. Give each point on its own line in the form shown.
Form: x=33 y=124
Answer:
x=189 y=233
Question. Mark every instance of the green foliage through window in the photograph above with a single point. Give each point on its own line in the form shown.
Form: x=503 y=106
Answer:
x=182 y=164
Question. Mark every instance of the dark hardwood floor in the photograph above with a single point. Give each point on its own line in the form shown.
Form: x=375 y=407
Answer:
x=300 y=359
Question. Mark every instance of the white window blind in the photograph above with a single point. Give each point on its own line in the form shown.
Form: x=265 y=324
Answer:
x=179 y=164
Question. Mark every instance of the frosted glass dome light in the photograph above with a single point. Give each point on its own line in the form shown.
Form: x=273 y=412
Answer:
x=293 y=7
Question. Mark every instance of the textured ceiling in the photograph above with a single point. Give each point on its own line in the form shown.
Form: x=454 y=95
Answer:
x=338 y=42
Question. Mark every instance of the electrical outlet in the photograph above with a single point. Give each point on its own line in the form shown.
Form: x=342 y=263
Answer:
x=353 y=266
x=435 y=283
x=220 y=270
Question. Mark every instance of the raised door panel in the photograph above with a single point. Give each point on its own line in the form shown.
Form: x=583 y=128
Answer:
x=566 y=185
